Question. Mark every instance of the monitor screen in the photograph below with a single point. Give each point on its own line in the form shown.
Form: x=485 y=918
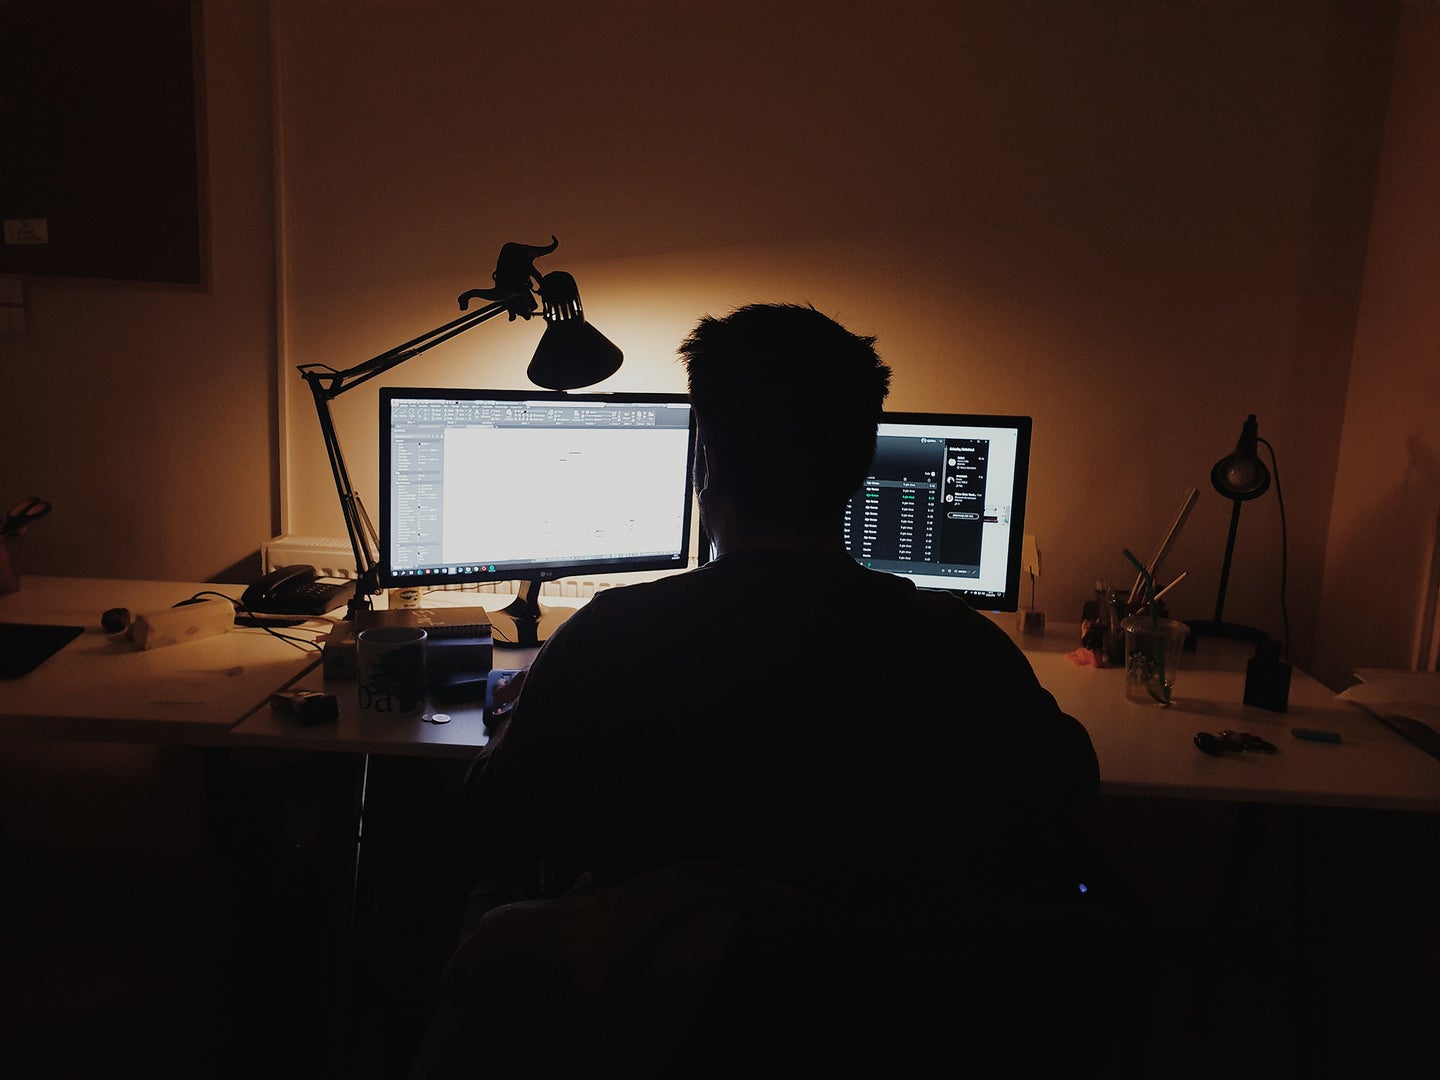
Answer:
x=529 y=486
x=944 y=504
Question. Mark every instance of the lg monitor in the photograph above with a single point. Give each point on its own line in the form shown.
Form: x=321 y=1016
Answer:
x=531 y=486
x=944 y=504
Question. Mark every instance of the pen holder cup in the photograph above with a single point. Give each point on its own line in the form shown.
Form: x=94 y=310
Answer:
x=1152 y=656
x=9 y=565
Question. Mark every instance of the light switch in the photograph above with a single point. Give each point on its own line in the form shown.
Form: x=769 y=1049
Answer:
x=27 y=230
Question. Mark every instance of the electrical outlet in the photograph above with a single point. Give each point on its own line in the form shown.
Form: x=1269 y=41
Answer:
x=27 y=231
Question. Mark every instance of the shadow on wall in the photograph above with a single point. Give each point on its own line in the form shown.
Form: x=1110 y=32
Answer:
x=246 y=570
x=1380 y=614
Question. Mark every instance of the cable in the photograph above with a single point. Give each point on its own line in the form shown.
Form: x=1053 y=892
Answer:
x=297 y=642
x=1284 y=546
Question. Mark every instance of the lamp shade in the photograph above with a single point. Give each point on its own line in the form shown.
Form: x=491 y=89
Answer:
x=1242 y=475
x=571 y=353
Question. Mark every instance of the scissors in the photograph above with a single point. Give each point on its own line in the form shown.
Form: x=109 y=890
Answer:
x=22 y=514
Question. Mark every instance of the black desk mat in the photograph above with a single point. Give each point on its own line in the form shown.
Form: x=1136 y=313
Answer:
x=25 y=646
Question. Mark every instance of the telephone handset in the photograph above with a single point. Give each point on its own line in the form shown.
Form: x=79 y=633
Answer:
x=294 y=590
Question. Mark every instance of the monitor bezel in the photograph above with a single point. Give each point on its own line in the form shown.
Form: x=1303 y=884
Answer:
x=541 y=570
x=1023 y=427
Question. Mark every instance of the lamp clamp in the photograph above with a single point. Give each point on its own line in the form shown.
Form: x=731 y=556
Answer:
x=515 y=277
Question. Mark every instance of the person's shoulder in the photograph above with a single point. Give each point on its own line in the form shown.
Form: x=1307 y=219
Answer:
x=943 y=623
x=622 y=603
x=931 y=605
x=656 y=591
x=956 y=613
x=951 y=607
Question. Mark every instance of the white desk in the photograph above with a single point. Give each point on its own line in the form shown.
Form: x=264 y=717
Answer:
x=216 y=692
x=104 y=689
x=1149 y=750
x=354 y=733
x=1144 y=750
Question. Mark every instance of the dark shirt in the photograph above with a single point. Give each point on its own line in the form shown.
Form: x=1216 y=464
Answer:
x=791 y=713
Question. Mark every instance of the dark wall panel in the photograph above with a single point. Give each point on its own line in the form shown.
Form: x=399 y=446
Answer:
x=98 y=122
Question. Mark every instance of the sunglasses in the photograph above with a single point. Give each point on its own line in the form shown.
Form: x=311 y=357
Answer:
x=1232 y=742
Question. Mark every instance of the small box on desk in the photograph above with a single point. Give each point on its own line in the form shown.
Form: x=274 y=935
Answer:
x=189 y=621
x=471 y=653
x=338 y=659
x=459 y=639
x=439 y=622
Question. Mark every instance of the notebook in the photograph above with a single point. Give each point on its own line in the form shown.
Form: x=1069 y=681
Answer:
x=439 y=622
x=1407 y=702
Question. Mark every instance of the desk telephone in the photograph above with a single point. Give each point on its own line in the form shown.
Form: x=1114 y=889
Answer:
x=294 y=590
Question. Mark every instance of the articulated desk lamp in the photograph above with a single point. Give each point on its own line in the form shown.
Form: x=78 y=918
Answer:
x=1240 y=477
x=571 y=354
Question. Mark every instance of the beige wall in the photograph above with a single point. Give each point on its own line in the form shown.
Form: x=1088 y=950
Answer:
x=1137 y=222
x=147 y=413
x=1386 y=516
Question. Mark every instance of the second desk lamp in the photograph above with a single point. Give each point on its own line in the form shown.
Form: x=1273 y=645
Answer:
x=1239 y=476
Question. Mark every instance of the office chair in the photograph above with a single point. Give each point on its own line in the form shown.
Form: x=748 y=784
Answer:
x=701 y=970
x=601 y=980
x=1039 y=979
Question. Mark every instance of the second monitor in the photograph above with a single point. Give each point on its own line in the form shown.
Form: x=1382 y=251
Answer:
x=944 y=504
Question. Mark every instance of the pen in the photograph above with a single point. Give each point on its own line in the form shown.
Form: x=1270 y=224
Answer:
x=1312 y=735
x=1167 y=588
x=1153 y=566
x=1145 y=606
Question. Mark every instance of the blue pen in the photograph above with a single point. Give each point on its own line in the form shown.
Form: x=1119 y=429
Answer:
x=1315 y=736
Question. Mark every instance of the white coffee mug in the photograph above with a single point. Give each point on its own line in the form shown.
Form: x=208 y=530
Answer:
x=390 y=663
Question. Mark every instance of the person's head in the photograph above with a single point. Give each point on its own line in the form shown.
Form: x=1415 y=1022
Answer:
x=787 y=402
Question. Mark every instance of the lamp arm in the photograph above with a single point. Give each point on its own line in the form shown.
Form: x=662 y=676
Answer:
x=359 y=529
x=1225 y=566
x=326 y=384
x=325 y=380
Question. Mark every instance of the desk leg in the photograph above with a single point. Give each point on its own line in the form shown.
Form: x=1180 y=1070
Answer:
x=352 y=935
x=282 y=833
x=1302 y=948
x=1309 y=915
x=224 y=905
x=1229 y=914
x=406 y=893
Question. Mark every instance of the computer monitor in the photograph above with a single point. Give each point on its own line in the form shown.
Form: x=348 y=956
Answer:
x=531 y=486
x=944 y=504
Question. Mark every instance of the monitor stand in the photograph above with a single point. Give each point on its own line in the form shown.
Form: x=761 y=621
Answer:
x=525 y=623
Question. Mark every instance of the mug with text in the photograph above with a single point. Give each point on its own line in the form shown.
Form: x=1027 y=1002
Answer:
x=390 y=662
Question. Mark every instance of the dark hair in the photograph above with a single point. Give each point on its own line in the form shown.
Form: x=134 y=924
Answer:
x=788 y=400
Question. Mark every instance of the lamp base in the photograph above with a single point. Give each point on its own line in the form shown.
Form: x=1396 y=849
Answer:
x=1209 y=628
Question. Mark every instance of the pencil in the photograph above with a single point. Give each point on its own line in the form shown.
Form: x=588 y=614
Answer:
x=1183 y=574
x=1153 y=567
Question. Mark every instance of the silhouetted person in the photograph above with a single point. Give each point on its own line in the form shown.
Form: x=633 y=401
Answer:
x=884 y=756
